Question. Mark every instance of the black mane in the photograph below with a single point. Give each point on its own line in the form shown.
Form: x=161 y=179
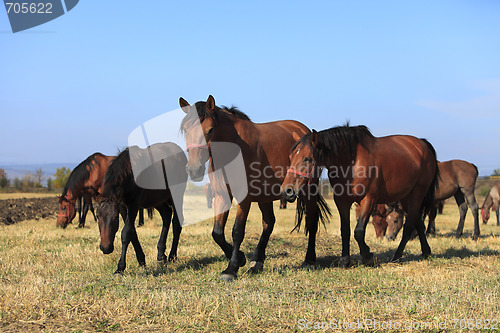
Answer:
x=199 y=111
x=338 y=140
x=80 y=174
x=119 y=172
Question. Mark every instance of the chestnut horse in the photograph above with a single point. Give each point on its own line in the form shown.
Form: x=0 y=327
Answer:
x=492 y=201
x=264 y=148
x=85 y=180
x=457 y=178
x=122 y=195
x=368 y=170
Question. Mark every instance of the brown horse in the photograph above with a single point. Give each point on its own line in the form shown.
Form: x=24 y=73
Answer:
x=368 y=170
x=85 y=180
x=492 y=201
x=457 y=179
x=122 y=195
x=264 y=148
x=395 y=220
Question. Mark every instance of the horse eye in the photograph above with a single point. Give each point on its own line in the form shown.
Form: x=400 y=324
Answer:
x=308 y=159
x=210 y=131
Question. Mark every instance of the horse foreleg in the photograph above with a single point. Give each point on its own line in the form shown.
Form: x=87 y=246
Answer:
x=129 y=234
x=359 y=232
x=268 y=220
x=345 y=231
x=166 y=216
x=237 y=257
x=221 y=213
x=462 y=207
x=85 y=210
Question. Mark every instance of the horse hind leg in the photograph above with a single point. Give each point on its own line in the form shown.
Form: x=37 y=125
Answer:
x=166 y=215
x=268 y=221
x=498 y=213
x=413 y=221
x=462 y=207
x=474 y=207
x=176 y=225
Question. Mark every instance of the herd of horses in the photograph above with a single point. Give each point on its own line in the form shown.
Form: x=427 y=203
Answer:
x=394 y=179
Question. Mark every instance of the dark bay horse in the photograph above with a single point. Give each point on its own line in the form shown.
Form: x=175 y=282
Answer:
x=457 y=178
x=84 y=181
x=264 y=148
x=122 y=195
x=368 y=170
x=492 y=201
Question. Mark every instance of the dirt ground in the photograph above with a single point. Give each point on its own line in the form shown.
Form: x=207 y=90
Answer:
x=16 y=210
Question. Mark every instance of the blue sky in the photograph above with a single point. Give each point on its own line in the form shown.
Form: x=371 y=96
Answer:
x=83 y=82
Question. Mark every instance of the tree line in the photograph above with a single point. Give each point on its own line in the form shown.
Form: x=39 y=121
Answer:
x=35 y=181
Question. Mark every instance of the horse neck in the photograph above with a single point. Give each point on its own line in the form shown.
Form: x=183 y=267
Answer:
x=488 y=201
x=235 y=128
x=71 y=196
x=98 y=172
x=328 y=158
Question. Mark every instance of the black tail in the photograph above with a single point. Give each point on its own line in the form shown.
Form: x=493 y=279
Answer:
x=324 y=212
x=428 y=202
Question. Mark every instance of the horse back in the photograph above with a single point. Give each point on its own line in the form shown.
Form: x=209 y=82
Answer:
x=401 y=162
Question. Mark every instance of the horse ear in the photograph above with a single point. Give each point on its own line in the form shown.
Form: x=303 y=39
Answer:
x=184 y=105
x=210 y=104
x=314 y=138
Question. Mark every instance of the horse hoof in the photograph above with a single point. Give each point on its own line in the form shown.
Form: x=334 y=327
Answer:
x=162 y=262
x=475 y=237
x=242 y=260
x=345 y=262
x=118 y=273
x=227 y=277
x=172 y=258
x=256 y=266
x=370 y=261
x=426 y=255
x=458 y=235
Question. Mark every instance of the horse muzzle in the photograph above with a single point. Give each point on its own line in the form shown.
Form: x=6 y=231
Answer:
x=107 y=249
x=196 y=173
x=289 y=194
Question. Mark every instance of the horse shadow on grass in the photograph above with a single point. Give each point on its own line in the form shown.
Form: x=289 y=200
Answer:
x=194 y=264
x=465 y=235
x=326 y=262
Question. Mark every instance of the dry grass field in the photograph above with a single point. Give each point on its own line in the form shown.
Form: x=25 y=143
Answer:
x=55 y=280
